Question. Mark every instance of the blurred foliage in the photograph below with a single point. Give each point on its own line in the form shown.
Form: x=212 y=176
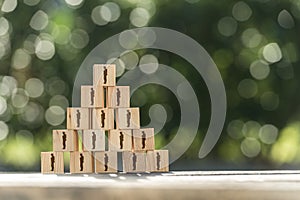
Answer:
x=255 y=44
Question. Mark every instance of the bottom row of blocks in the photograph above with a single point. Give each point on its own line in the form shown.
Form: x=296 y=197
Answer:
x=106 y=162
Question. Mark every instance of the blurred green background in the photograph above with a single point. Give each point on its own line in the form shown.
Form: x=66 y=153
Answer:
x=255 y=44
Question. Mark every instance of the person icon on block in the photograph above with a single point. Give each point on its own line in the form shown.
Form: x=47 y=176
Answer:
x=92 y=95
x=93 y=140
x=157 y=161
x=118 y=96
x=143 y=140
x=78 y=117
x=52 y=161
x=81 y=162
x=64 y=139
x=105 y=75
x=128 y=118
x=102 y=119
x=105 y=162
x=134 y=161
x=121 y=139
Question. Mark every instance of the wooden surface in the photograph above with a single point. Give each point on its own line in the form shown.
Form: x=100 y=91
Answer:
x=267 y=185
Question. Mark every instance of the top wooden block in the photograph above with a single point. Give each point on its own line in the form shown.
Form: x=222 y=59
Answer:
x=104 y=74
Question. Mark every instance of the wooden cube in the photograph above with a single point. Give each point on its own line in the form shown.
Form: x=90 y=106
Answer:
x=157 y=161
x=77 y=118
x=143 y=139
x=102 y=118
x=81 y=162
x=134 y=161
x=52 y=162
x=92 y=96
x=104 y=74
x=119 y=140
x=106 y=162
x=128 y=118
x=65 y=140
x=93 y=140
x=118 y=97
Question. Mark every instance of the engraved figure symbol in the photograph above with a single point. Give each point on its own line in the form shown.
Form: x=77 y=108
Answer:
x=81 y=162
x=157 y=161
x=78 y=117
x=143 y=139
x=105 y=75
x=52 y=161
x=128 y=118
x=105 y=162
x=102 y=118
x=134 y=161
x=92 y=95
x=93 y=140
x=118 y=96
x=121 y=140
x=64 y=139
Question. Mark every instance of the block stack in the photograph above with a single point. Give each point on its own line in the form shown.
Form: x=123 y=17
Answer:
x=105 y=112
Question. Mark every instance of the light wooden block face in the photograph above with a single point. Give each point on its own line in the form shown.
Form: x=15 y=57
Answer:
x=134 y=161
x=77 y=118
x=102 y=118
x=120 y=140
x=92 y=96
x=65 y=140
x=118 y=97
x=106 y=162
x=104 y=74
x=157 y=161
x=93 y=140
x=128 y=118
x=143 y=139
x=52 y=162
x=81 y=162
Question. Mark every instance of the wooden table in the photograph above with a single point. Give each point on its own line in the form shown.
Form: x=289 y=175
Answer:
x=216 y=185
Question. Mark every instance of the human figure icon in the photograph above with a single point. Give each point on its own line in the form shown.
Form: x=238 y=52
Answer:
x=52 y=161
x=102 y=119
x=93 y=140
x=134 y=161
x=143 y=140
x=81 y=162
x=78 y=117
x=92 y=95
x=64 y=139
x=128 y=118
x=157 y=161
x=118 y=96
x=121 y=139
x=105 y=162
x=105 y=75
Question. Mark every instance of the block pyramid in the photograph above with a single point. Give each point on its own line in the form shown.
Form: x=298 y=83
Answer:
x=105 y=112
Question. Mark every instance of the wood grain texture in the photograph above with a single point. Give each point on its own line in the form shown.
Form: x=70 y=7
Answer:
x=77 y=118
x=134 y=162
x=93 y=140
x=65 y=140
x=104 y=74
x=118 y=97
x=128 y=118
x=157 y=161
x=81 y=162
x=92 y=96
x=106 y=162
x=52 y=162
x=143 y=139
x=102 y=118
x=120 y=140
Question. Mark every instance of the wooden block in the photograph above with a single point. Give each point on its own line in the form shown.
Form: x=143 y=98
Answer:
x=102 y=118
x=106 y=162
x=93 y=140
x=120 y=140
x=143 y=139
x=104 y=74
x=134 y=161
x=118 y=97
x=128 y=118
x=65 y=140
x=52 y=162
x=78 y=118
x=157 y=161
x=81 y=162
x=92 y=96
